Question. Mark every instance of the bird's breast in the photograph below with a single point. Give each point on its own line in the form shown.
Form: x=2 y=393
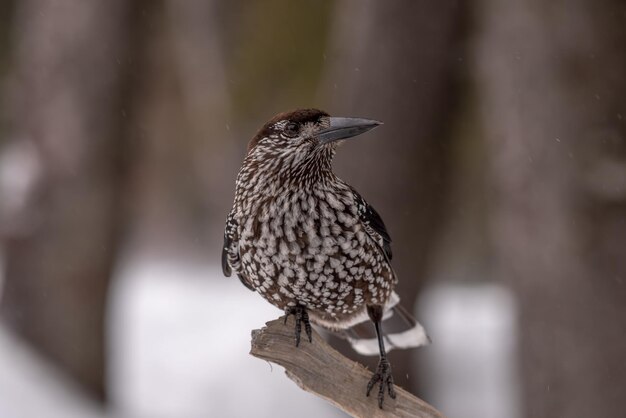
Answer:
x=311 y=248
x=303 y=224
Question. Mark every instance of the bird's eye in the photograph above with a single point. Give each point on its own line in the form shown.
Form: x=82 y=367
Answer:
x=291 y=129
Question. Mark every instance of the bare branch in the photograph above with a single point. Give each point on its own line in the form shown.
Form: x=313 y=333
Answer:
x=318 y=368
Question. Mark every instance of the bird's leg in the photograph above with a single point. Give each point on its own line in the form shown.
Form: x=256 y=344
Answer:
x=302 y=316
x=383 y=371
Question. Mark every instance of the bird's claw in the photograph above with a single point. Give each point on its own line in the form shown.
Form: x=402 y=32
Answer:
x=384 y=376
x=302 y=316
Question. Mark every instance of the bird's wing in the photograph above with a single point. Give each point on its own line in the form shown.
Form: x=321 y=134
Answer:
x=401 y=329
x=374 y=225
x=230 y=252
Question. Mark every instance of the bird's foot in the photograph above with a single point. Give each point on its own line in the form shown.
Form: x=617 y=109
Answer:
x=302 y=316
x=384 y=376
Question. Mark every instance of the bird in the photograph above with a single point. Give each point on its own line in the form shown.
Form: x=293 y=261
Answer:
x=311 y=245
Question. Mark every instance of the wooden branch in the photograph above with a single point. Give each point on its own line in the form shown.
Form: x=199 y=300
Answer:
x=318 y=368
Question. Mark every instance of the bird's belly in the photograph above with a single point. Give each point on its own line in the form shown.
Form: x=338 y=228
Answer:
x=333 y=274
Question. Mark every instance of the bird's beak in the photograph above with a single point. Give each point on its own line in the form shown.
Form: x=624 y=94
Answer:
x=342 y=128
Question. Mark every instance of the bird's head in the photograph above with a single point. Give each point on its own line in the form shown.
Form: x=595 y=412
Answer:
x=303 y=140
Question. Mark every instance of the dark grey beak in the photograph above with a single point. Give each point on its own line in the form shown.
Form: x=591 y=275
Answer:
x=342 y=128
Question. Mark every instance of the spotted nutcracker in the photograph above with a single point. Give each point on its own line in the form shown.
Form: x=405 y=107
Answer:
x=310 y=244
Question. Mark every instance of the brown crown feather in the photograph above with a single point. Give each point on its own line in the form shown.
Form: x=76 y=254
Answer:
x=298 y=116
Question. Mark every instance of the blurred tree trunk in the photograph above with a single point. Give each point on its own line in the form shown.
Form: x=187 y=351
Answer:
x=204 y=96
x=182 y=111
x=66 y=95
x=395 y=61
x=6 y=12
x=553 y=74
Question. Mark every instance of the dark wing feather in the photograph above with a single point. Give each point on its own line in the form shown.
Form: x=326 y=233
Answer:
x=230 y=251
x=230 y=238
x=225 y=266
x=374 y=224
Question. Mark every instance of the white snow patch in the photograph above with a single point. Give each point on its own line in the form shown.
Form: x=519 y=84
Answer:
x=180 y=337
x=30 y=387
x=471 y=362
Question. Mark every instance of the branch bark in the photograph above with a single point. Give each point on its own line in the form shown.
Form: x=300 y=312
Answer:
x=318 y=368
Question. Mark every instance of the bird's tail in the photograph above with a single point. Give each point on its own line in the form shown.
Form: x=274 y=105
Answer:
x=399 y=327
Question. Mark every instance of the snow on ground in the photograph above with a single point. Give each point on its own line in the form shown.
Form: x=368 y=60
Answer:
x=180 y=342
x=471 y=362
x=31 y=388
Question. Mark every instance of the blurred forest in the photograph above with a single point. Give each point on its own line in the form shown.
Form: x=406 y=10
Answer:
x=502 y=161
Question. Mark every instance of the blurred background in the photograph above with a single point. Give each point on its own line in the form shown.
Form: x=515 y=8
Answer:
x=500 y=173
